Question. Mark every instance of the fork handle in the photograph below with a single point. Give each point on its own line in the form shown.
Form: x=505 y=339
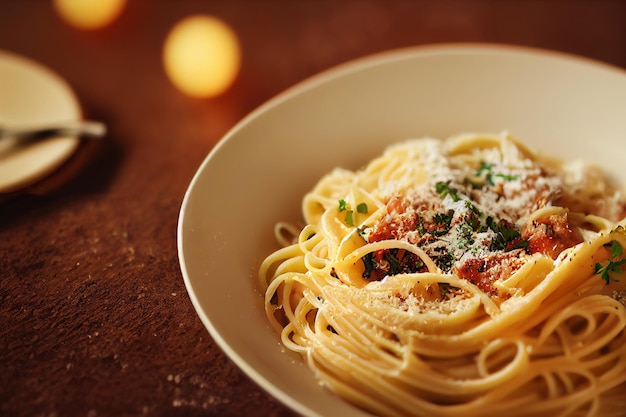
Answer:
x=86 y=128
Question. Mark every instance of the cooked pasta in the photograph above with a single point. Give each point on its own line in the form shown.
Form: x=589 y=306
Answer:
x=461 y=277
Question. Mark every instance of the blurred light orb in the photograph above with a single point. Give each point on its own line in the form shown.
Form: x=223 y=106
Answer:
x=89 y=14
x=202 y=56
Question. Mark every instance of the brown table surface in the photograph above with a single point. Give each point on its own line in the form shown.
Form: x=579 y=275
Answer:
x=94 y=316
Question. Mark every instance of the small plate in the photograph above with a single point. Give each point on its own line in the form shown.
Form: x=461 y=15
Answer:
x=32 y=94
x=566 y=106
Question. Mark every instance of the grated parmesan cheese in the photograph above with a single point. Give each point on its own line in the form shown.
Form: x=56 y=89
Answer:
x=470 y=211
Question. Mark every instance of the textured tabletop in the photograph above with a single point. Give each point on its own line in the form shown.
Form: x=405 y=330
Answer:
x=94 y=316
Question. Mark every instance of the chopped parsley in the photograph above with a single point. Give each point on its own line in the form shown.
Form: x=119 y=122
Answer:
x=612 y=264
x=394 y=262
x=343 y=206
x=507 y=237
x=446 y=234
x=442 y=223
x=445 y=261
x=362 y=208
x=466 y=239
x=444 y=189
x=473 y=208
x=369 y=263
x=473 y=221
x=349 y=218
x=485 y=167
x=390 y=262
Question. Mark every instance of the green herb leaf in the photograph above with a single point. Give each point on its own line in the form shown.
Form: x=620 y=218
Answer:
x=616 y=249
x=473 y=208
x=445 y=261
x=507 y=237
x=342 y=205
x=394 y=263
x=597 y=268
x=420 y=225
x=361 y=208
x=369 y=264
x=612 y=265
x=485 y=167
x=507 y=177
x=444 y=189
x=442 y=220
x=349 y=218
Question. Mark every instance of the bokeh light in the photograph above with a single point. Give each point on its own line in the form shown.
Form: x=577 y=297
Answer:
x=202 y=56
x=89 y=14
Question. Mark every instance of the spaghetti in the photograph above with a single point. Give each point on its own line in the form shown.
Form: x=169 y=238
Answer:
x=465 y=277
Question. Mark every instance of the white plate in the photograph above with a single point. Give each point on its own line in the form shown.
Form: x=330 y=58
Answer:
x=564 y=105
x=31 y=94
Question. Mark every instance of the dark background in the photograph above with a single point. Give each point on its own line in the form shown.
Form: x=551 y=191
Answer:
x=94 y=316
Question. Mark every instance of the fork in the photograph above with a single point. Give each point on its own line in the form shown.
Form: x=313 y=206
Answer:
x=81 y=128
